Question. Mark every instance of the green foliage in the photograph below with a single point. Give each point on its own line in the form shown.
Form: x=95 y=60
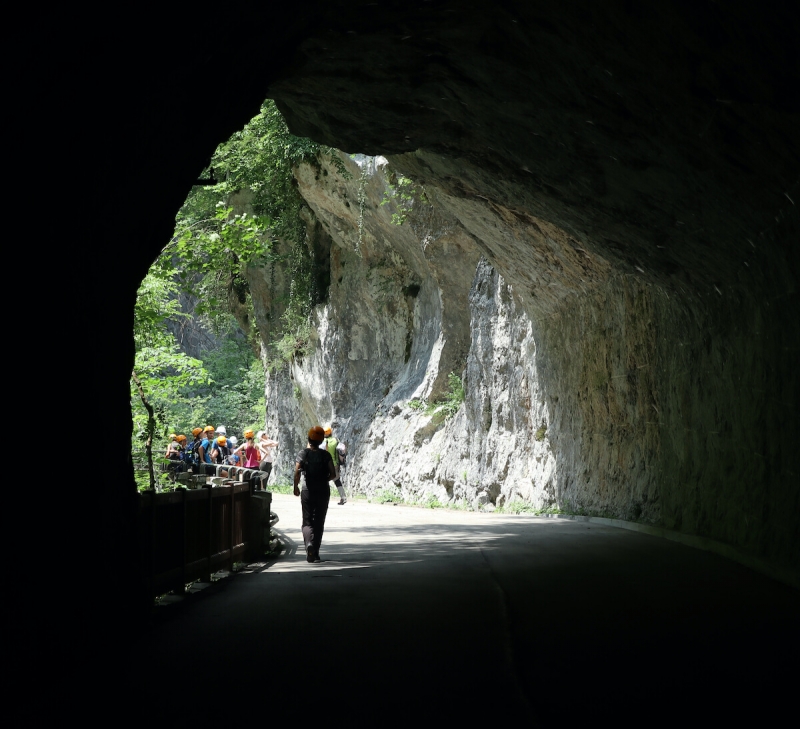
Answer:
x=433 y=503
x=215 y=240
x=261 y=157
x=156 y=303
x=388 y=496
x=164 y=372
x=295 y=342
x=540 y=433
x=455 y=395
x=519 y=507
x=405 y=194
x=236 y=392
x=228 y=387
x=446 y=405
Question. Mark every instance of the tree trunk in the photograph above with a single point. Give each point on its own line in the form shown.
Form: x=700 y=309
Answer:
x=151 y=429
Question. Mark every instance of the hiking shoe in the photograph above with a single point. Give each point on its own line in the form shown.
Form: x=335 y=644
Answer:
x=310 y=554
x=317 y=558
x=342 y=502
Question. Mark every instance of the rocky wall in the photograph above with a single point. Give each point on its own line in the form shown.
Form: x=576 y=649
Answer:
x=587 y=389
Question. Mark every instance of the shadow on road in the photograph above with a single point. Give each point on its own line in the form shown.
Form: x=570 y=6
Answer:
x=463 y=619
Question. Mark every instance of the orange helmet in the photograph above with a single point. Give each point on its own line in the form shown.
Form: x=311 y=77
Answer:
x=249 y=434
x=222 y=440
x=208 y=429
x=328 y=431
x=181 y=438
x=316 y=433
x=196 y=431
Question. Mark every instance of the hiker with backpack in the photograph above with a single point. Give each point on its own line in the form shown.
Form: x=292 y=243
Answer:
x=338 y=452
x=316 y=466
x=193 y=455
x=220 y=450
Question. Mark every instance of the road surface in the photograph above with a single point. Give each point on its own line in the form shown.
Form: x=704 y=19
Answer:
x=427 y=616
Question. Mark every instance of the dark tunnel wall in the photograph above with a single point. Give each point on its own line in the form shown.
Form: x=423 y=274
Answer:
x=660 y=139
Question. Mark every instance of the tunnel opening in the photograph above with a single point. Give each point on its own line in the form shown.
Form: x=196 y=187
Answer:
x=625 y=132
x=623 y=295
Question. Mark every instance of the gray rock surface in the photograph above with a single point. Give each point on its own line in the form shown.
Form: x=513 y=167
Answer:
x=408 y=305
x=635 y=183
x=575 y=399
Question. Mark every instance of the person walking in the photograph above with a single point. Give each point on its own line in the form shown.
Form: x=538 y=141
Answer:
x=266 y=445
x=316 y=467
x=338 y=452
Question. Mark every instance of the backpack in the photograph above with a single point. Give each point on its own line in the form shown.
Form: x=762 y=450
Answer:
x=316 y=468
x=223 y=452
x=194 y=458
x=332 y=443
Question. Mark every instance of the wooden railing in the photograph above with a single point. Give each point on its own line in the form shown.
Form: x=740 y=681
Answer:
x=188 y=534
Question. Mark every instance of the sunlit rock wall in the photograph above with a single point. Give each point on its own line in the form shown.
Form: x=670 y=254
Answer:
x=587 y=389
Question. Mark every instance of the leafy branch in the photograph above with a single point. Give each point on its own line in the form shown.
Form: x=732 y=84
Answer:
x=404 y=194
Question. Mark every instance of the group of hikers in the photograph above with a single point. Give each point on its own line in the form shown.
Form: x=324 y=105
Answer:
x=212 y=446
x=318 y=464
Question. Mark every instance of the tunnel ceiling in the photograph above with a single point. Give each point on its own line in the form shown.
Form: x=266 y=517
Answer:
x=664 y=137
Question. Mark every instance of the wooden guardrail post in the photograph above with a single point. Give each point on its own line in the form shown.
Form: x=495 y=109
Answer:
x=151 y=581
x=182 y=586
x=210 y=533
x=233 y=525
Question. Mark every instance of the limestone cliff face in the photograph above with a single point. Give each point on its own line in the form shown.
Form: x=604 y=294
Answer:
x=409 y=304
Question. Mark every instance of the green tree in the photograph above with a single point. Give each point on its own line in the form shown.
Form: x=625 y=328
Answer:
x=213 y=243
x=161 y=372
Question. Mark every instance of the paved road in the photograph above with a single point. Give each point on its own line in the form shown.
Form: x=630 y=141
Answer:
x=429 y=616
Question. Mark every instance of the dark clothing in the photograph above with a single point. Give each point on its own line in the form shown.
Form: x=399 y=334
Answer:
x=222 y=453
x=314 y=465
x=266 y=467
x=315 y=509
